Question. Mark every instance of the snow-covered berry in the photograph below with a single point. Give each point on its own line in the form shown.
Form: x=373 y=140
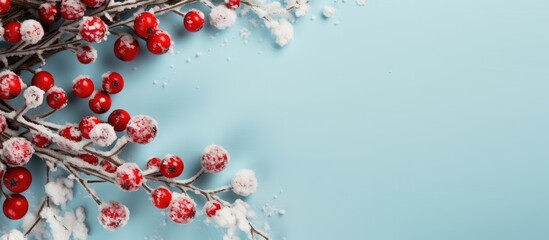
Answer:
x=17 y=151
x=86 y=124
x=48 y=12
x=145 y=24
x=11 y=32
x=172 y=166
x=244 y=182
x=153 y=163
x=129 y=177
x=5 y=6
x=86 y=54
x=214 y=158
x=112 y=82
x=43 y=80
x=15 y=207
x=159 y=42
x=17 y=179
x=100 y=102
x=56 y=98
x=182 y=209
x=103 y=135
x=126 y=47
x=93 y=3
x=89 y=158
x=82 y=86
x=108 y=166
x=232 y=4
x=119 y=119
x=193 y=20
x=161 y=197
x=31 y=31
x=113 y=215
x=33 y=96
x=72 y=9
x=71 y=133
x=142 y=129
x=10 y=85
x=211 y=207
x=222 y=17
x=93 y=29
x=39 y=139
x=3 y=123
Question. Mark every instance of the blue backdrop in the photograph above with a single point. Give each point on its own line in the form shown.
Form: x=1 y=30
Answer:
x=417 y=119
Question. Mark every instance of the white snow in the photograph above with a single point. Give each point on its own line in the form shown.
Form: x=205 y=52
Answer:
x=103 y=134
x=233 y=218
x=282 y=30
x=60 y=191
x=361 y=2
x=328 y=11
x=34 y=96
x=221 y=17
x=13 y=235
x=244 y=182
x=63 y=227
x=39 y=231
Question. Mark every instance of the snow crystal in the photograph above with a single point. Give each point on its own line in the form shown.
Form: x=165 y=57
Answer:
x=103 y=134
x=221 y=17
x=233 y=218
x=60 y=191
x=31 y=31
x=13 y=235
x=282 y=30
x=328 y=11
x=34 y=96
x=244 y=182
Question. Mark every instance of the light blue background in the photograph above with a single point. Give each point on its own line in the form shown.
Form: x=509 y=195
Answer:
x=420 y=119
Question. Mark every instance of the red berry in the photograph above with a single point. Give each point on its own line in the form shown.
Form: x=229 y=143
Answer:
x=17 y=179
x=113 y=215
x=91 y=159
x=86 y=125
x=182 y=209
x=72 y=9
x=56 y=98
x=93 y=29
x=93 y=3
x=82 y=86
x=119 y=119
x=172 y=166
x=43 y=80
x=86 y=54
x=108 y=166
x=129 y=177
x=113 y=82
x=193 y=21
x=12 y=33
x=211 y=207
x=161 y=197
x=126 y=48
x=145 y=24
x=159 y=42
x=232 y=4
x=10 y=85
x=71 y=132
x=154 y=162
x=5 y=6
x=100 y=102
x=17 y=151
x=15 y=206
x=48 y=12
x=141 y=129
x=214 y=159
x=39 y=139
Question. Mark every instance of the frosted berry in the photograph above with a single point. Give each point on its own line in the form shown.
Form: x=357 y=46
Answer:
x=154 y=162
x=48 y=12
x=232 y=4
x=141 y=129
x=172 y=166
x=17 y=151
x=145 y=24
x=10 y=85
x=211 y=207
x=129 y=177
x=159 y=42
x=17 y=179
x=119 y=119
x=126 y=48
x=103 y=135
x=113 y=215
x=214 y=159
x=182 y=209
x=72 y=133
x=93 y=29
x=86 y=125
x=3 y=123
x=100 y=102
x=108 y=166
x=56 y=98
x=31 y=31
x=72 y=9
x=43 y=80
x=12 y=33
x=5 y=6
x=161 y=197
x=82 y=86
x=86 y=54
x=91 y=159
x=39 y=139
x=15 y=206
x=193 y=20
x=112 y=82
x=93 y=3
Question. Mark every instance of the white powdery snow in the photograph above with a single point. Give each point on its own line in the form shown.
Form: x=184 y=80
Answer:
x=39 y=231
x=34 y=96
x=221 y=17
x=361 y=2
x=301 y=7
x=244 y=182
x=103 y=134
x=60 y=191
x=233 y=218
x=328 y=11
x=13 y=235
x=63 y=227
x=282 y=30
